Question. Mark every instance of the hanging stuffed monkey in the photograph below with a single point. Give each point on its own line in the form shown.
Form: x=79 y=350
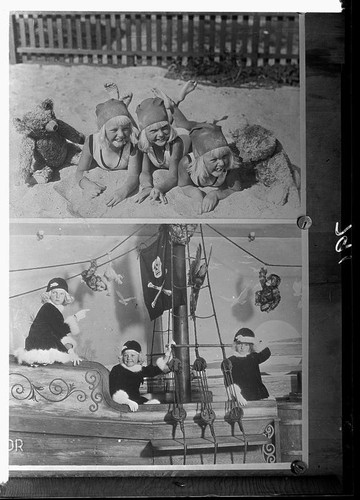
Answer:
x=269 y=297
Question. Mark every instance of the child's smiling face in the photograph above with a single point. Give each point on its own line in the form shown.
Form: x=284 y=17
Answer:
x=243 y=348
x=57 y=296
x=130 y=358
x=117 y=134
x=217 y=161
x=158 y=133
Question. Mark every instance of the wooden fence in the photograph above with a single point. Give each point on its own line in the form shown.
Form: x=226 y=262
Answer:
x=153 y=38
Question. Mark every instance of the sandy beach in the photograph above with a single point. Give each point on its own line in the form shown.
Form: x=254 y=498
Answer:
x=76 y=90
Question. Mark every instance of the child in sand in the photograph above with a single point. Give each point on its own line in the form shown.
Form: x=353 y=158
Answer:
x=163 y=148
x=112 y=148
x=210 y=163
x=245 y=362
x=126 y=377
x=49 y=339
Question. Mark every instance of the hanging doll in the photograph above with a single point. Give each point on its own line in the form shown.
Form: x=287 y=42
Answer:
x=269 y=297
x=49 y=338
x=93 y=281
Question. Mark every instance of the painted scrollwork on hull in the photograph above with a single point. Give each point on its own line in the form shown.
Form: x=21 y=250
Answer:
x=93 y=377
x=58 y=390
x=269 y=449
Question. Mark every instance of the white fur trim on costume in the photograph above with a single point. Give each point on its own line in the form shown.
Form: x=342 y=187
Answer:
x=134 y=368
x=72 y=322
x=120 y=397
x=247 y=340
x=69 y=340
x=41 y=356
x=236 y=389
x=162 y=364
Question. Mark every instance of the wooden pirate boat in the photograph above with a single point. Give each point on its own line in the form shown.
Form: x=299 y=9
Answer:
x=63 y=415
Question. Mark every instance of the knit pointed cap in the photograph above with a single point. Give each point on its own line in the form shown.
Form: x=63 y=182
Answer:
x=151 y=111
x=131 y=345
x=206 y=137
x=57 y=283
x=109 y=109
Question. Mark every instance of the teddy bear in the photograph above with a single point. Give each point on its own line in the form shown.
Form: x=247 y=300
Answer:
x=45 y=145
x=265 y=162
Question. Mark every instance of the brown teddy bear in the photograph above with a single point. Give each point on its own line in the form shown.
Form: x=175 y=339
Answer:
x=264 y=162
x=45 y=147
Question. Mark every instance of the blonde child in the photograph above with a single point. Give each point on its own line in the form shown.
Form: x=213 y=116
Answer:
x=112 y=148
x=49 y=340
x=245 y=361
x=127 y=376
x=163 y=148
x=206 y=174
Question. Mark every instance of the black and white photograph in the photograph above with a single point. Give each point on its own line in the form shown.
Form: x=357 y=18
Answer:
x=179 y=247
x=172 y=344
x=213 y=81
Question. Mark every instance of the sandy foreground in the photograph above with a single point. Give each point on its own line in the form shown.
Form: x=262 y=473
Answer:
x=76 y=90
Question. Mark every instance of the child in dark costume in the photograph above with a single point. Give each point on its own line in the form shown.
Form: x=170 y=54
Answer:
x=245 y=362
x=126 y=377
x=49 y=340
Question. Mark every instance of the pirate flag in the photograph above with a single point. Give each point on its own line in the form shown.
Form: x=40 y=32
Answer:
x=156 y=277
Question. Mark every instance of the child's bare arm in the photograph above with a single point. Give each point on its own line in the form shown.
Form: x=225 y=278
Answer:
x=87 y=163
x=146 y=179
x=187 y=186
x=171 y=179
x=230 y=186
x=132 y=180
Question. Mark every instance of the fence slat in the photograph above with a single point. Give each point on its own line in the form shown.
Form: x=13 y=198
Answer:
x=279 y=36
x=290 y=37
x=201 y=33
x=158 y=38
x=255 y=40
x=152 y=38
x=148 y=37
x=234 y=34
x=138 y=39
x=12 y=38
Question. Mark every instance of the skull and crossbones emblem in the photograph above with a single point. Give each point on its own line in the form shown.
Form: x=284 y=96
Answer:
x=160 y=290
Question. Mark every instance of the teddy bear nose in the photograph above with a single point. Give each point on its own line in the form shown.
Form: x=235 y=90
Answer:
x=52 y=126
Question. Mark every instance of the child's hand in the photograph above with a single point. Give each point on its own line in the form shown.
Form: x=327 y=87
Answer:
x=144 y=193
x=242 y=400
x=209 y=202
x=156 y=194
x=91 y=188
x=116 y=198
x=132 y=405
x=74 y=357
x=81 y=314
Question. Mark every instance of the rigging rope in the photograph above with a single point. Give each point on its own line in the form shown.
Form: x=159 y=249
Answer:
x=249 y=253
x=80 y=261
x=79 y=274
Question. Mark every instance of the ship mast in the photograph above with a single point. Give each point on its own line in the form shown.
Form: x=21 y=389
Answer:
x=179 y=236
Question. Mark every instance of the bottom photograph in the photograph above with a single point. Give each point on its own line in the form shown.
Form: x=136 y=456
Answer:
x=156 y=345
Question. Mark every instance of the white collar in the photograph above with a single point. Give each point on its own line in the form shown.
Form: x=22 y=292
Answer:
x=60 y=307
x=135 y=368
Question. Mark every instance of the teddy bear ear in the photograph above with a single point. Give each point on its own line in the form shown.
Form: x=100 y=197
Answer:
x=19 y=124
x=48 y=104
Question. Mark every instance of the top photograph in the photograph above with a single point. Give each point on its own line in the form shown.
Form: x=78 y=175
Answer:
x=151 y=115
